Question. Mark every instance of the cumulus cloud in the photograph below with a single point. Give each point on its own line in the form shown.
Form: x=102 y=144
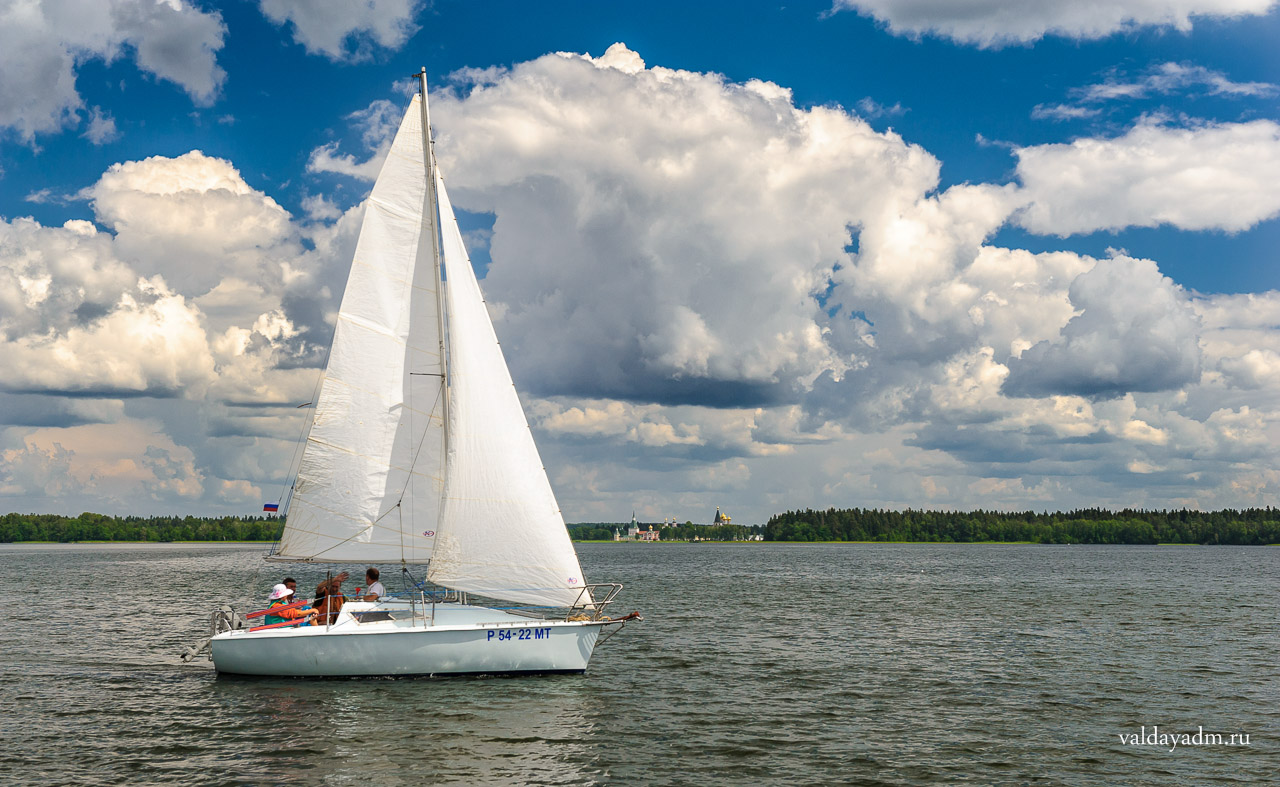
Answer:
x=192 y=218
x=123 y=466
x=666 y=241
x=996 y=23
x=1135 y=331
x=200 y=293
x=43 y=43
x=150 y=341
x=30 y=471
x=619 y=272
x=823 y=325
x=346 y=31
x=679 y=431
x=320 y=207
x=1212 y=176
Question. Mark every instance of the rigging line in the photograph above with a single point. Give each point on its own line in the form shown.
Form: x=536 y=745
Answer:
x=408 y=479
x=401 y=536
x=418 y=451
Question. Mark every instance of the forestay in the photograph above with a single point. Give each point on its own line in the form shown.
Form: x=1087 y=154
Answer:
x=368 y=488
x=501 y=533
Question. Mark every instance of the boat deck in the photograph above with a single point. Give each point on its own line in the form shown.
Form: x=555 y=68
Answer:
x=388 y=615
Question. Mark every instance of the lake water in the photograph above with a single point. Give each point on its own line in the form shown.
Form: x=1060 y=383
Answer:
x=762 y=663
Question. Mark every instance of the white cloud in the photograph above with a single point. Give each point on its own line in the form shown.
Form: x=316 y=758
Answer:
x=102 y=127
x=703 y=431
x=320 y=208
x=924 y=325
x=997 y=23
x=1160 y=79
x=121 y=466
x=1166 y=78
x=1062 y=112
x=651 y=295
x=30 y=471
x=825 y=328
x=44 y=196
x=1215 y=176
x=42 y=42
x=200 y=299
x=191 y=218
x=1135 y=330
x=377 y=125
x=150 y=341
x=869 y=107
x=346 y=31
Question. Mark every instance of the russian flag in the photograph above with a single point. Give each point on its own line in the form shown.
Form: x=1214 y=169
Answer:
x=271 y=507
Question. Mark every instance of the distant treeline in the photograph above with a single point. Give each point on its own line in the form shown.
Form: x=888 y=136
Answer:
x=100 y=527
x=1084 y=526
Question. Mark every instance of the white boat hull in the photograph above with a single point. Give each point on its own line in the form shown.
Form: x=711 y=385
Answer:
x=457 y=640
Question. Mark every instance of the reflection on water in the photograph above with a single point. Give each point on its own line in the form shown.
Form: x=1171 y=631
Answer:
x=875 y=664
x=473 y=731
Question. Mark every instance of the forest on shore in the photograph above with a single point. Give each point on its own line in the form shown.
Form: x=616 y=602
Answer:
x=100 y=527
x=1251 y=526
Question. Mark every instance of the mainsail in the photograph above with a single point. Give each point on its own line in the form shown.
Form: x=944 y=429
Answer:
x=385 y=476
x=368 y=487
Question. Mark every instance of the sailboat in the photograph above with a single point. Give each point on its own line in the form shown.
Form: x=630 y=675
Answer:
x=419 y=453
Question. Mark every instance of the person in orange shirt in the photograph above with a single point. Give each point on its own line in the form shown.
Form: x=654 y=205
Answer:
x=282 y=596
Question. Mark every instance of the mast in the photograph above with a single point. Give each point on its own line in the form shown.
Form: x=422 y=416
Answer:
x=431 y=215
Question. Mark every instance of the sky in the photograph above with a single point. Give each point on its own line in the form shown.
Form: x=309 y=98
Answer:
x=947 y=254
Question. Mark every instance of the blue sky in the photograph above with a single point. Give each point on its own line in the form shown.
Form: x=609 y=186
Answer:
x=883 y=252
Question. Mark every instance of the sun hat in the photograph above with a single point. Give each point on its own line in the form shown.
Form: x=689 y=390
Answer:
x=279 y=591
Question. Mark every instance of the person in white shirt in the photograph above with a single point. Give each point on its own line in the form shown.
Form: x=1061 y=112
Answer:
x=375 y=590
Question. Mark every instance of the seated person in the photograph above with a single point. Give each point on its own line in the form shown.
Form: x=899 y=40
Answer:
x=329 y=599
x=375 y=590
x=283 y=596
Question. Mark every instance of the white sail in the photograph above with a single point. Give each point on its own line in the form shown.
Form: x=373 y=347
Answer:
x=368 y=488
x=501 y=533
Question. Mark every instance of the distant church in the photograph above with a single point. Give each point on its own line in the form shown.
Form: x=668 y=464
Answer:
x=635 y=533
x=721 y=519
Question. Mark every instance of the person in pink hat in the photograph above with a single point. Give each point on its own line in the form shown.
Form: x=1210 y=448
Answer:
x=282 y=596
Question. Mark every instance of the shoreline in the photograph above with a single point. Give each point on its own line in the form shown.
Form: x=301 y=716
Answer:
x=50 y=543
x=992 y=543
x=668 y=543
